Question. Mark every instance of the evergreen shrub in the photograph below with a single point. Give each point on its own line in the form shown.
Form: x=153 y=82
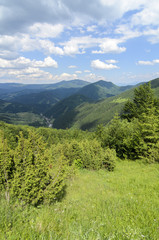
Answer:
x=86 y=154
x=28 y=174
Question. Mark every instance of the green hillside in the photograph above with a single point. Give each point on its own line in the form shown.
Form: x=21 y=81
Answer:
x=88 y=115
x=49 y=97
x=76 y=111
x=17 y=113
x=102 y=89
x=64 y=111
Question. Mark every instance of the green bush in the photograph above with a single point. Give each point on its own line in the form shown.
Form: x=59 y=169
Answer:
x=86 y=154
x=28 y=174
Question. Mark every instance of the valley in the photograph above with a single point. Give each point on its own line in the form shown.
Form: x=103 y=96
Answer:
x=67 y=104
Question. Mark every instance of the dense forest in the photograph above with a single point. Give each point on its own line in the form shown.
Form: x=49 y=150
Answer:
x=38 y=166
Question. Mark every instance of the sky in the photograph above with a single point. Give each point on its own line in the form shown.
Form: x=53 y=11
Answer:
x=47 y=41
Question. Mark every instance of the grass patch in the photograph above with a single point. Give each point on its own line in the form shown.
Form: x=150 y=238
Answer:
x=123 y=204
x=120 y=100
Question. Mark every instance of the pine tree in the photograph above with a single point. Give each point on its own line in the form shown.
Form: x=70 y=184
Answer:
x=144 y=107
x=143 y=101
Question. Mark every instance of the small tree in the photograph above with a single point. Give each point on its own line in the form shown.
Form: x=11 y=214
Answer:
x=144 y=107
x=28 y=174
x=143 y=101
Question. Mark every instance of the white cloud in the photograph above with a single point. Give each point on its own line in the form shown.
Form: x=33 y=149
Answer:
x=6 y=54
x=26 y=70
x=111 y=61
x=18 y=16
x=153 y=34
x=23 y=43
x=97 y=64
x=27 y=75
x=65 y=76
x=153 y=62
x=156 y=61
x=91 y=28
x=87 y=71
x=23 y=62
x=77 y=45
x=110 y=46
x=148 y=15
x=72 y=66
x=127 y=31
x=33 y=75
x=92 y=77
x=78 y=72
x=46 y=30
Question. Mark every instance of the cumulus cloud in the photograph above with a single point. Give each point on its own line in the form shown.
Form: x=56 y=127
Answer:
x=148 y=15
x=153 y=62
x=127 y=31
x=70 y=27
x=77 y=45
x=61 y=11
x=45 y=30
x=23 y=62
x=97 y=64
x=110 y=46
x=26 y=75
x=36 y=22
x=10 y=45
x=18 y=16
x=33 y=75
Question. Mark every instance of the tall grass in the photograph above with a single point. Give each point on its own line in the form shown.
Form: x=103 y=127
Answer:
x=123 y=204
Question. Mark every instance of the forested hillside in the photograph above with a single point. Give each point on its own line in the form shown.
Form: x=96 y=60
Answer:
x=69 y=105
x=72 y=104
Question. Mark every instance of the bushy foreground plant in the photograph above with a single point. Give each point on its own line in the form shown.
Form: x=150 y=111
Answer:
x=86 y=154
x=28 y=174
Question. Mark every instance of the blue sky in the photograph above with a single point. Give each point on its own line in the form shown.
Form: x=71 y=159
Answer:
x=46 y=41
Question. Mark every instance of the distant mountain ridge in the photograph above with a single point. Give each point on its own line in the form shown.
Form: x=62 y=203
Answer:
x=102 y=89
x=12 y=90
x=67 y=104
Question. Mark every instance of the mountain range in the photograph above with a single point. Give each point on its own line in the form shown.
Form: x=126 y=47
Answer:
x=67 y=104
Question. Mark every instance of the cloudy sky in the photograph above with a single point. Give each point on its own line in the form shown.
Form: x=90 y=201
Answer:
x=45 y=41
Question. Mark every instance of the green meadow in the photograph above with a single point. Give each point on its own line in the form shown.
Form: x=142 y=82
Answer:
x=123 y=204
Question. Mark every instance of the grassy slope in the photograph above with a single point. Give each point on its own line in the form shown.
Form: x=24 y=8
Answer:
x=120 y=205
x=89 y=115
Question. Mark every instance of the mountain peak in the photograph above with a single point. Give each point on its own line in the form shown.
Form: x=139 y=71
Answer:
x=105 y=84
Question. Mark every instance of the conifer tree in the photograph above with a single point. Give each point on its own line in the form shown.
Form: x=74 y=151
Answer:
x=143 y=101
x=144 y=108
